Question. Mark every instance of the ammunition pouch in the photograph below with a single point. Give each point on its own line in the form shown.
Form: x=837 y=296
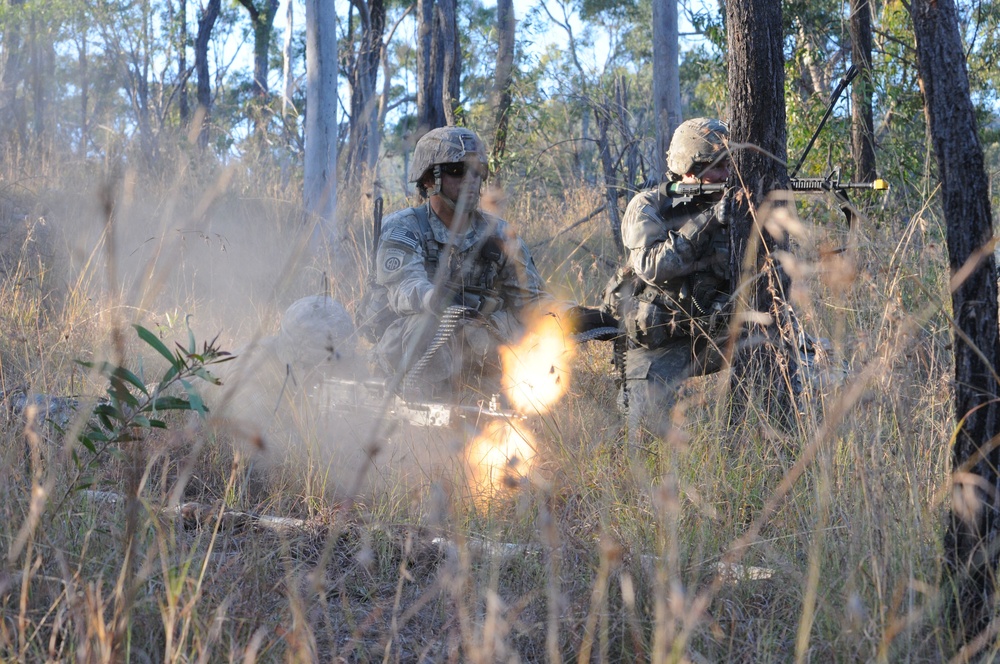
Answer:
x=659 y=317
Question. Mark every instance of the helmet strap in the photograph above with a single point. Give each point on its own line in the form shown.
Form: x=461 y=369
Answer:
x=437 y=182
x=450 y=204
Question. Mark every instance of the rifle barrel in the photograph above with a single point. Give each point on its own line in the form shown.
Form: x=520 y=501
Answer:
x=821 y=184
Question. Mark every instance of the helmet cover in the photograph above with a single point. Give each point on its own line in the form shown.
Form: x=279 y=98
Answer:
x=314 y=331
x=697 y=142
x=446 y=145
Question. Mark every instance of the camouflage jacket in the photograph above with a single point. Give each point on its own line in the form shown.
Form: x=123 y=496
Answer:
x=409 y=257
x=684 y=270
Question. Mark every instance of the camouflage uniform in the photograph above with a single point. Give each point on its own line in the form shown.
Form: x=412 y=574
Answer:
x=500 y=285
x=675 y=318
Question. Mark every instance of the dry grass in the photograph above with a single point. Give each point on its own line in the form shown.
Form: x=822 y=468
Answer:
x=613 y=550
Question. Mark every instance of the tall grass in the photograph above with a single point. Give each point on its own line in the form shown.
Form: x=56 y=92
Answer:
x=610 y=553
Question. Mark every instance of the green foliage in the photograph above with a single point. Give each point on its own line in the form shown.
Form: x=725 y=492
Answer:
x=133 y=409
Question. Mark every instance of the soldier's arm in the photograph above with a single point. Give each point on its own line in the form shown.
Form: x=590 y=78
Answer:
x=400 y=268
x=657 y=252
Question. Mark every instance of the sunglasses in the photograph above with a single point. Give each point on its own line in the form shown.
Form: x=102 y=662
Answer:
x=459 y=168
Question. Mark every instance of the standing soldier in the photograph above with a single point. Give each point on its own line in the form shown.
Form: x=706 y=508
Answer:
x=488 y=273
x=674 y=310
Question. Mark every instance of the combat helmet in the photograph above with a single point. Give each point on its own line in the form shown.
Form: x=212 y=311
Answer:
x=697 y=142
x=446 y=145
x=316 y=332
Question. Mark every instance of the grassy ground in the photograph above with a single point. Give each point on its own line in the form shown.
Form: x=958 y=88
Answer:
x=612 y=552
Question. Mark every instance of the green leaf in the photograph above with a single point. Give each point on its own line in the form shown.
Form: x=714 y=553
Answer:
x=192 y=344
x=157 y=424
x=171 y=403
x=125 y=374
x=196 y=402
x=153 y=341
x=207 y=376
x=88 y=443
x=96 y=437
x=108 y=410
x=141 y=421
x=119 y=391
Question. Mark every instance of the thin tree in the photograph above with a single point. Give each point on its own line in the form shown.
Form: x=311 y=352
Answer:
x=503 y=80
x=758 y=128
x=262 y=20
x=862 y=118
x=361 y=68
x=180 y=21
x=666 y=78
x=12 y=116
x=430 y=69
x=206 y=23
x=451 y=56
x=320 y=176
x=973 y=527
x=288 y=82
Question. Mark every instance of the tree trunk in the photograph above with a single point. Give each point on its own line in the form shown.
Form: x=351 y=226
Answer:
x=263 y=27
x=286 y=72
x=37 y=78
x=430 y=69
x=862 y=119
x=141 y=66
x=12 y=116
x=666 y=78
x=506 y=25
x=973 y=527
x=182 y=72
x=451 y=62
x=757 y=82
x=603 y=115
x=82 y=60
x=363 y=142
x=205 y=25
x=320 y=177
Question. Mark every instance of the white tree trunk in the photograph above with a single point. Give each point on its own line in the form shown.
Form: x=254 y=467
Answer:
x=320 y=188
x=286 y=56
x=666 y=77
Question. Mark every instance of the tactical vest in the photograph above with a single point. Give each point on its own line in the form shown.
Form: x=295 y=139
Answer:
x=374 y=312
x=682 y=307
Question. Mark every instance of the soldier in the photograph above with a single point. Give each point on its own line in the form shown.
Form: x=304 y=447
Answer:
x=678 y=250
x=487 y=271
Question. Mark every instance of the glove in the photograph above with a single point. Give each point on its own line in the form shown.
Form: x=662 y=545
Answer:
x=585 y=319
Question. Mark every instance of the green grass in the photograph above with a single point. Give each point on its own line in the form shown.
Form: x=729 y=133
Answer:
x=615 y=549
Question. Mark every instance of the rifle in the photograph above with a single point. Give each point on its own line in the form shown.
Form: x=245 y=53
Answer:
x=831 y=183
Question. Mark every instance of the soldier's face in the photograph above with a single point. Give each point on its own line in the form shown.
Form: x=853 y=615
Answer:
x=458 y=180
x=717 y=173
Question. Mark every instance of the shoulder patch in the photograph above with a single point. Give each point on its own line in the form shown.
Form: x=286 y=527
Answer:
x=404 y=237
x=392 y=260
